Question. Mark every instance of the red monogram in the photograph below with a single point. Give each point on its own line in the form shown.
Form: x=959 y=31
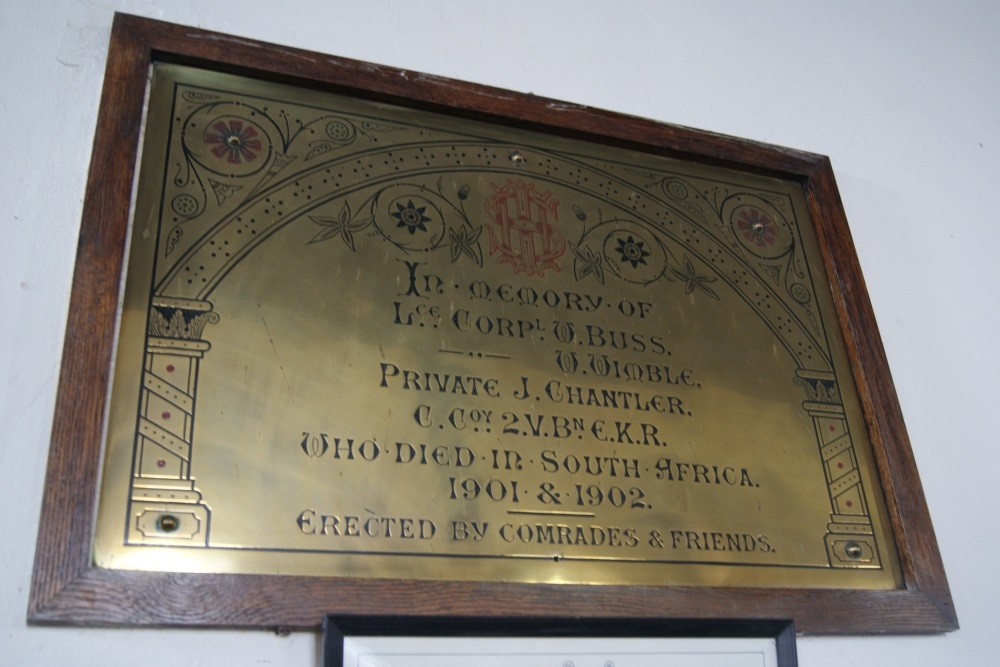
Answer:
x=523 y=236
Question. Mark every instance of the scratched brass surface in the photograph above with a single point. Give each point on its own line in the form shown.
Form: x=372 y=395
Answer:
x=365 y=341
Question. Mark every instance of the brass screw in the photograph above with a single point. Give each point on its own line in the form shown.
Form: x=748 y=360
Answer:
x=168 y=523
x=517 y=159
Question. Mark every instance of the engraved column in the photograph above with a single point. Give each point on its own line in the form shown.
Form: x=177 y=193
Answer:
x=850 y=541
x=165 y=508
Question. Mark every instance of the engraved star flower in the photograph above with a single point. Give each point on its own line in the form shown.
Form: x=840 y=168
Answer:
x=632 y=251
x=411 y=217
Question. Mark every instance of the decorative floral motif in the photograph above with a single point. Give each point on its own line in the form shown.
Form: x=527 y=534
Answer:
x=820 y=390
x=757 y=227
x=238 y=142
x=169 y=322
x=340 y=131
x=175 y=235
x=800 y=293
x=223 y=191
x=342 y=226
x=411 y=217
x=185 y=205
x=692 y=280
x=675 y=189
x=588 y=262
x=464 y=242
x=632 y=251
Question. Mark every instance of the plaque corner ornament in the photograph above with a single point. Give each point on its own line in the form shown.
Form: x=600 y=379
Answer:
x=374 y=346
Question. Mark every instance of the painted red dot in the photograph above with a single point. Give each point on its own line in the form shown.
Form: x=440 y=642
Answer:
x=166 y=415
x=840 y=465
x=170 y=368
x=161 y=463
x=832 y=427
x=849 y=503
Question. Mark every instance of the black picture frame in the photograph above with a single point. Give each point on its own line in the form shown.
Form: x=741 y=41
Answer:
x=338 y=628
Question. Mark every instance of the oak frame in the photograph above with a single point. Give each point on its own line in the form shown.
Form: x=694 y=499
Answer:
x=68 y=589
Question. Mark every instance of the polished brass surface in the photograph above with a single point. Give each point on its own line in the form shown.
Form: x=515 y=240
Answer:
x=361 y=340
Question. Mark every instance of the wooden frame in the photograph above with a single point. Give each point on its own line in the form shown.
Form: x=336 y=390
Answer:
x=67 y=588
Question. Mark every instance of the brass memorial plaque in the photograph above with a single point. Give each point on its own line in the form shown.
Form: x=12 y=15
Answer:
x=363 y=340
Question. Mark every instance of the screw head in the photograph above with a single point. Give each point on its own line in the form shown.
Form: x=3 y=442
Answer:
x=168 y=523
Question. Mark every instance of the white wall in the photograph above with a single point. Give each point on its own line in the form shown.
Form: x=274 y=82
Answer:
x=904 y=97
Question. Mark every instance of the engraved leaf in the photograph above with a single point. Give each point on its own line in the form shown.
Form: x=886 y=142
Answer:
x=175 y=236
x=378 y=128
x=465 y=242
x=588 y=263
x=692 y=280
x=199 y=97
x=341 y=226
x=360 y=224
x=318 y=148
x=324 y=235
x=640 y=172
